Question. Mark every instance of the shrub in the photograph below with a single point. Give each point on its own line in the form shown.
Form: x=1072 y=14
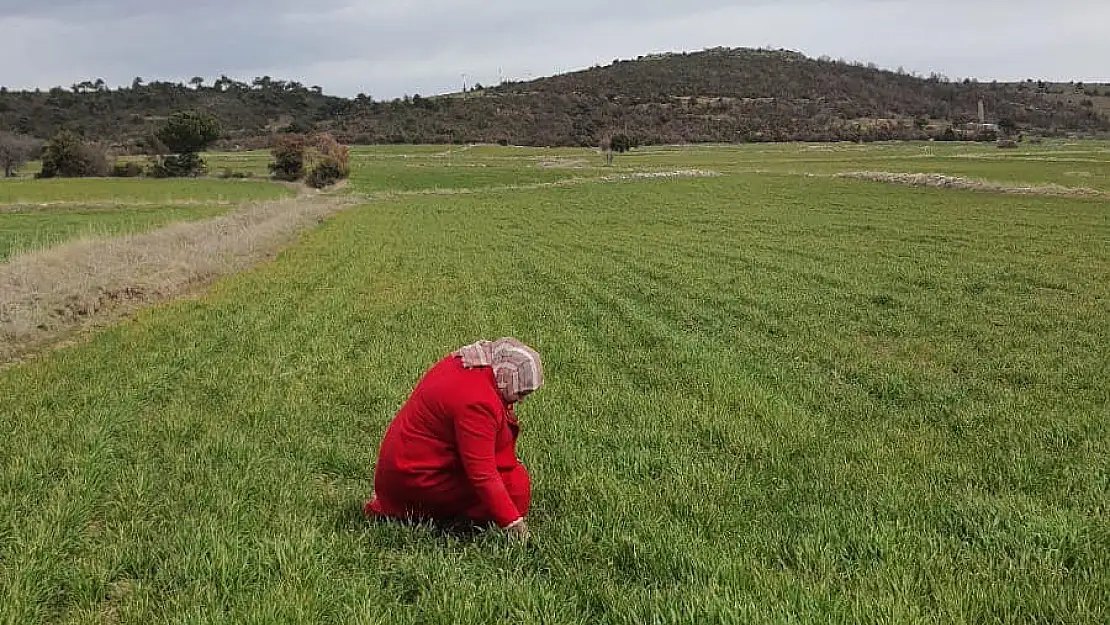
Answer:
x=325 y=174
x=320 y=160
x=289 y=156
x=948 y=135
x=68 y=156
x=16 y=150
x=297 y=127
x=329 y=161
x=620 y=143
x=184 y=165
x=1007 y=126
x=127 y=169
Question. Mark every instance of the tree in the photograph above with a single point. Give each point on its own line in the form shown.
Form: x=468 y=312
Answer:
x=189 y=132
x=68 y=156
x=16 y=150
x=606 y=146
x=1007 y=126
x=621 y=143
x=197 y=82
x=185 y=134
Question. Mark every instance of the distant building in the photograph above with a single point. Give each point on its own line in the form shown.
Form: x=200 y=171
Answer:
x=982 y=125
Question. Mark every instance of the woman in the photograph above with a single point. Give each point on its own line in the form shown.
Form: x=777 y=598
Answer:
x=450 y=453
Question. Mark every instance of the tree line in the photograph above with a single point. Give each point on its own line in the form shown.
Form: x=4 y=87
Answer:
x=720 y=95
x=173 y=150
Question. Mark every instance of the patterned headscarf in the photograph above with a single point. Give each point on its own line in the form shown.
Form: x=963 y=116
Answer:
x=516 y=367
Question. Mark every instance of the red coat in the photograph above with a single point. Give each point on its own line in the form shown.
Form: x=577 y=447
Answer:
x=450 y=452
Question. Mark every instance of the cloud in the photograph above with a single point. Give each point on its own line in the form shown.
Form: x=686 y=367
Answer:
x=391 y=47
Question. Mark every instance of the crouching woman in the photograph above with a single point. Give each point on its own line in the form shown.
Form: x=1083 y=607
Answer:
x=450 y=453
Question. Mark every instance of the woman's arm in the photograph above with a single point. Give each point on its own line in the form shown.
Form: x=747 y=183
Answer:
x=476 y=434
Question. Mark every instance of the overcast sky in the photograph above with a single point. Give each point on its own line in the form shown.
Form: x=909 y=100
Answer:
x=389 y=48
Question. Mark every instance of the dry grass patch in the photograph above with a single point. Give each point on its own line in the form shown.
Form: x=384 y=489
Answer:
x=651 y=175
x=45 y=294
x=105 y=205
x=957 y=182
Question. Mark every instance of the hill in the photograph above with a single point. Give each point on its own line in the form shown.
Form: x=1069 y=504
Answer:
x=720 y=95
x=724 y=95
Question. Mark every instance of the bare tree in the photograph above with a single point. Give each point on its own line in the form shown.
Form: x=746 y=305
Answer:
x=606 y=147
x=16 y=150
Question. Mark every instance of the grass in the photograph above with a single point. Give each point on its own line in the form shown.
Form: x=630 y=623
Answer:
x=428 y=176
x=424 y=168
x=42 y=213
x=770 y=399
x=48 y=295
x=35 y=229
x=136 y=191
x=1081 y=165
x=465 y=167
x=253 y=162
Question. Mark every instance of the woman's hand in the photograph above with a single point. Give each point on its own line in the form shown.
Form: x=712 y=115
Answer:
x=519 y=531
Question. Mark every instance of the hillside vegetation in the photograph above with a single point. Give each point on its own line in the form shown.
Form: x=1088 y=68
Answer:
x=721 y=95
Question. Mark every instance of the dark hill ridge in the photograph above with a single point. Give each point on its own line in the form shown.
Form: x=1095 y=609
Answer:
x=719 y=95
x=125 y=115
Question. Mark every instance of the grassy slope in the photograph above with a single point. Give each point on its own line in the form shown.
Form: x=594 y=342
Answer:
x=770 y=398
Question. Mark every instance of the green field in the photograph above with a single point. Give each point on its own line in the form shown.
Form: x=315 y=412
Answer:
x=771 y=398
x=37 y=229
x=1084 y=164
x=41 y=213
x=427 y=168
x=136 y=191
